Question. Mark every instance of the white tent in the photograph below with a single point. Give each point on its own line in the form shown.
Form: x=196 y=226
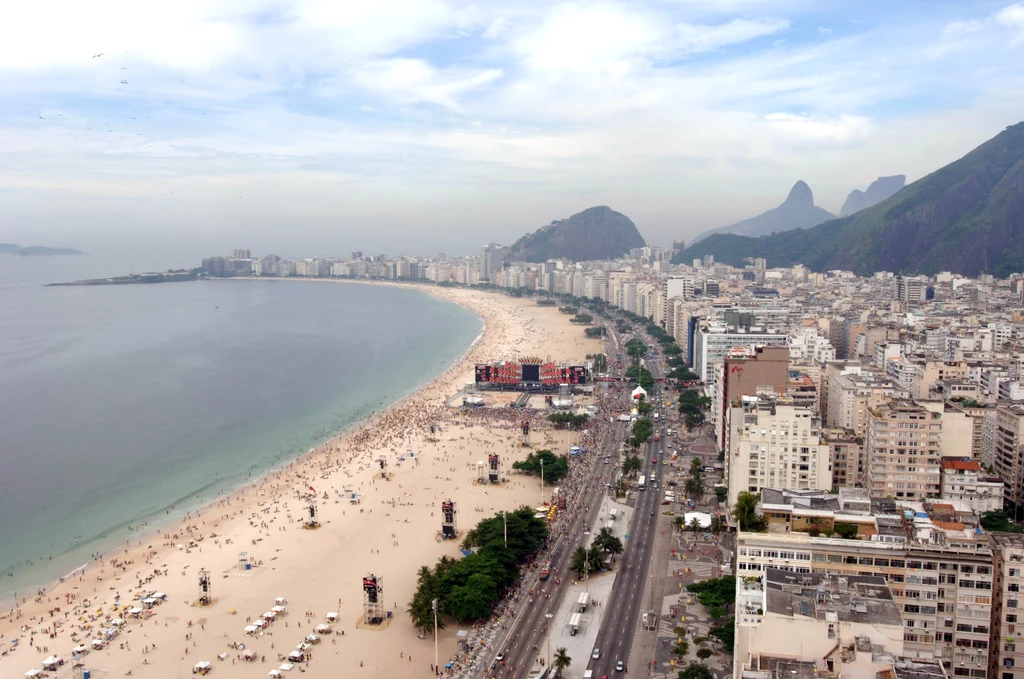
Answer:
x=286 y=667
x=639 y=391
x=323 y=628
x=52 y=663
x=313 y=638
x=80 y=649
x=703 y=519
x=280 y=601
x=278 y=609
x=251 y=629
x=331 y=617
x=296 y=656
x=269 y=615
x=32 y=673
x=98 y=643
x=274 y=674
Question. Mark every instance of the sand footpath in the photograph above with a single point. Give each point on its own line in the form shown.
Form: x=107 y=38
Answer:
x=391 y=532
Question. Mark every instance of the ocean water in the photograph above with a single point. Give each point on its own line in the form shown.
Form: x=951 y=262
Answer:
x=124 y=405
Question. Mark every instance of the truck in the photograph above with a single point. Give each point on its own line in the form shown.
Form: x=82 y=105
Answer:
x=545 y=571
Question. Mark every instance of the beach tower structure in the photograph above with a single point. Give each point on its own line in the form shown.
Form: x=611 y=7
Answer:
x=481 y=474
x=493 y=468
x=243 y=561
x=525 y=427
x=78 y=671
x=205 y=587
x=382 y=461
x=448 y=528
x=373 y=601
x=312 y=520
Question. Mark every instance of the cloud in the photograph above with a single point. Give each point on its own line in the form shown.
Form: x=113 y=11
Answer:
x=805 y=128
x=1012 y=16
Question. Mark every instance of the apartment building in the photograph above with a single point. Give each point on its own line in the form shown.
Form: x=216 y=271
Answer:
x=964 y=479
x=1008 y=449
x=761 y=370
x=772 y=444
x=903 y=450
x=1005 y=660
x=852 y=391
x=940 y=579
x=847 y=451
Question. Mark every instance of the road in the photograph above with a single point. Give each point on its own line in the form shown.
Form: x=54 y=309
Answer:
x=527 y=629
x=628 y=600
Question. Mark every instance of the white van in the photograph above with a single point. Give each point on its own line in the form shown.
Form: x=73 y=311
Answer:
x=669 y=433
x=589 y=674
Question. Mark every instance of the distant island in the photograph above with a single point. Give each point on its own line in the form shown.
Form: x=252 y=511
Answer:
x=173 y=276
x=35 y=250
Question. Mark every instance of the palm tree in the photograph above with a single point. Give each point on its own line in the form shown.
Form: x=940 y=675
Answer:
x=606 y=541
x=695 y=526
x=745 y=510
x=632 y=465
x=584 y=559
x=680 y=522
x=695 y=487
x=718 y=525
x=561 y=661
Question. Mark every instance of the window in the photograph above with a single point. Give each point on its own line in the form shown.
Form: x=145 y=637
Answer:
x=882 y=563
x=1011 y=618
x=868 y=561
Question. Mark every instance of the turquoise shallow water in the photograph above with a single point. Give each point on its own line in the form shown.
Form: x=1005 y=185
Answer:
x=121 y=405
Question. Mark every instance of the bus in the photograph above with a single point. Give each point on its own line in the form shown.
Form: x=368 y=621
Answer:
x=545 y=572
x=643 y=483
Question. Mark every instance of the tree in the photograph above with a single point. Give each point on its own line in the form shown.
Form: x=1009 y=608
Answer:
x=721 y=492
x=695 y=483
x=671 y=349
x=582 y=556
x=998 y=521
x=561 y=661
x=694 y=526
x=696 y=671
x=607 y=541
x=719 y=592
x=554 y=466
x=621 y=488
x=570 y=420
x=718 y=525
x=704 y=653
x=681 y=648
x=595 y=333
x=644 y=408
x=635 y=349
x=632 y=465
x=725 y=633
x=846 y=530
x=745 y=511
x=716 y=612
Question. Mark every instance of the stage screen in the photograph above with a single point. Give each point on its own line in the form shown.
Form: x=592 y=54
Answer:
x=531 y=373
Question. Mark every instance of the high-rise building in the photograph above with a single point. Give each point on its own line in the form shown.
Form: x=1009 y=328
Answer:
x=491 y=259
x=679 y=245
x=215 y=266
x=1004 y=660
x=775 y=445
x=762 y=370
x=240 y=254
x=357 y=254
x=903 y=450
x=1008 y=449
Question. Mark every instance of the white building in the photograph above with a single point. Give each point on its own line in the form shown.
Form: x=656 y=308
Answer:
x=962 y=479
x=808 y=345
x=775 y=445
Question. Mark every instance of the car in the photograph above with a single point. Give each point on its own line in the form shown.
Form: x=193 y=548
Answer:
x=654 y=460
x=500 y=656
x=652 y=512
x=596 y=654
x=620 y=666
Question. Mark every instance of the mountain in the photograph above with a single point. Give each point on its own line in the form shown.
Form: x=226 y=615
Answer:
x=967 y=217
x=596 y=233
x=35 y=250
x=880 y=189
x=798 y=211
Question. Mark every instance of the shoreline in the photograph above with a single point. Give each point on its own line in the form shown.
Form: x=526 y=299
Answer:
x=154 y=528
x=394 y=521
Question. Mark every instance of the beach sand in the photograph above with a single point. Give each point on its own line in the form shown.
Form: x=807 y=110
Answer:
x=391 y=532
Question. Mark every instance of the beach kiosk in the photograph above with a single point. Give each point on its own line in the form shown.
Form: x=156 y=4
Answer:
x=323 y=628
x=280 y=610
x=33 y=673
x=296 y=656
x=312 y=638
x=80 y=649
x=331 y=617
x=202 y=667
x=249 y=655
x=280 y=601
x=274 y=674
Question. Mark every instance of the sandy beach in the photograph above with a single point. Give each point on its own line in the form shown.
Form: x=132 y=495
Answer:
x=391 y=531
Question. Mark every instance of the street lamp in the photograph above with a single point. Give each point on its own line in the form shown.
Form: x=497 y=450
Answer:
x=542 y=481
x=433 y=606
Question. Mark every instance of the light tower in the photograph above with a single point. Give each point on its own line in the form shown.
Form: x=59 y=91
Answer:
x=311 y=514
x=493 y=468
x=373 y=604
x=205 y=588
x=525 y=425
x=449 y=531
x=383 y=462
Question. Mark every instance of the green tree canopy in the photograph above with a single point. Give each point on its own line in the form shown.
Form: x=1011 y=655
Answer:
x=555 y=466
x=696 y=671
x=720 y=592
x=745 y=512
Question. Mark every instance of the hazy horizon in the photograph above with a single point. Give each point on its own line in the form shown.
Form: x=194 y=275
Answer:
x=309 y=127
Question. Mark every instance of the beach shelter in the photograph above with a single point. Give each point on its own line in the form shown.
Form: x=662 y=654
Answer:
x=280 y=601
x=274 y=674
x=296 y=656
x=249 y=654
x=286 y=667
x=313 y=638
x=52 y=663
x=269 y=615
x=32 y=673
x=202 y=667
x=278 y=609
x=80 y=649
x=251 y=629
x=98 y=643
x=331 y=617
x=323 y=628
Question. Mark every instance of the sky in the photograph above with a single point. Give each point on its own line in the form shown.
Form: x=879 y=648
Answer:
x=318 y=127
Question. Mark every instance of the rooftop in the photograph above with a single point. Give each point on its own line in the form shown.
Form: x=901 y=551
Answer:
x=854 y=598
